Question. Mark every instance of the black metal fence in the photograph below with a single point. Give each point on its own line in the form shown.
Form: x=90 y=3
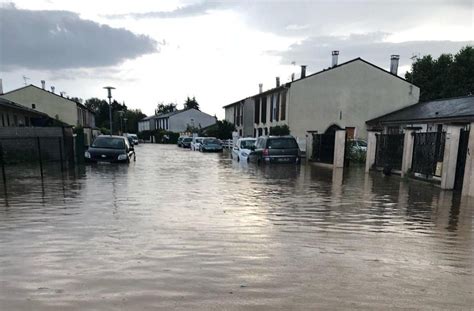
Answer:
x=428 y=151
x=389 y=150
x=323 y=147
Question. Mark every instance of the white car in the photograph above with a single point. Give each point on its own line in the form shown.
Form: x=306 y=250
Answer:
x=241 y=150
x=196 y=143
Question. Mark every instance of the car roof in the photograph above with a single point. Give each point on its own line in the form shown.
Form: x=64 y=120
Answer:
x=111 y=136
x=247 y=138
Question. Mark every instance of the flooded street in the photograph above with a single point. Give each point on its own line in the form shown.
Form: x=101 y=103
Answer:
x=186 y=230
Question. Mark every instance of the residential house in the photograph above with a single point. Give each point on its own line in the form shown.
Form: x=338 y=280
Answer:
x=56 y=106
x=178 y=121
x=146 y=124
x=431 y=116
x=15 y=115
x=343 y=96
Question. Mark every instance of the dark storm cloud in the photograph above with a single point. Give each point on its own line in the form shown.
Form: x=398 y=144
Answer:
x=61 y=39
x=316 y=51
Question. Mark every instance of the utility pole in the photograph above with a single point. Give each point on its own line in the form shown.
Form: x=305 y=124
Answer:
x=109 y=95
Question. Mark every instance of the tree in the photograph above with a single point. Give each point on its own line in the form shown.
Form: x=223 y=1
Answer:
x=221 y=130
x=447 y=76
x=191 y=103
x=162 y=108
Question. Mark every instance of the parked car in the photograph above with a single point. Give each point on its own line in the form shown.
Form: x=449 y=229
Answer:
x=186 y=142
x=108 y=148
x=180 y=141
x=243 y=148
x=196 y=143
x=133 y=137
x=358 y=145
x=275 y=149
x=210 y=144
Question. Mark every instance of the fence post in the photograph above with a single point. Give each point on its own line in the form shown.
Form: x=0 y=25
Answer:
x=339 y=148
x=3 y=167
x=39 y=155
x=408 y=143
x=371 y=149
x=450 y=157
x=61 y=154
x=468 y=183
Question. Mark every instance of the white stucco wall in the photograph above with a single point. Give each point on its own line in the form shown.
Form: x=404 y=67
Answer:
x=53 y=105
x=348 y=96
x=179 y=121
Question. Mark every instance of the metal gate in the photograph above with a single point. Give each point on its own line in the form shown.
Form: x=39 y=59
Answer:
x=461 y=160
x=389 y=150
x=428 y=152
x=323 y=147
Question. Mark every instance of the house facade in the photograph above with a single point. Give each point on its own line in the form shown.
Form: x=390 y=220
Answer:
x=14 y=115
x=177 y=121
x=56 y=107
x=344 y=96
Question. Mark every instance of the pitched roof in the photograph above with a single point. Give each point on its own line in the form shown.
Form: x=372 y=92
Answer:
x=442 y=109
x=288 y=84
x=168 y=114
x=65 y=98
x=9 y=104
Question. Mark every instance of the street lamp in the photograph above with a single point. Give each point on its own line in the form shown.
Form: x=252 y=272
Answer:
x=109 y=95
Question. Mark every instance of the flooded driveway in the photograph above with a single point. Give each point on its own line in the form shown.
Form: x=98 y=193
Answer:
x=186 y=230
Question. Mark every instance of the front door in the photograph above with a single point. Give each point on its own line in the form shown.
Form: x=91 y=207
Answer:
x=461 y=160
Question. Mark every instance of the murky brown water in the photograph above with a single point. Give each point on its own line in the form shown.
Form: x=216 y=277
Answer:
x=185 y=230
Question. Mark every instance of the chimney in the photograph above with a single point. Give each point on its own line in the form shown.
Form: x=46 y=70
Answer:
x=335 y=55
x=52 y=89
x=260 y=88
x=303 y=71
x=277 y=81
x=293 y=76
x=1 y=86
x=43 y=84
x=61 y=93
x=394 y=64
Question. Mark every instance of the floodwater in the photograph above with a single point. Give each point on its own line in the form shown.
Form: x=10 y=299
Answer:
x=186 y=230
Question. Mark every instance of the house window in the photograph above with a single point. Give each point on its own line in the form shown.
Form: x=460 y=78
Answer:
x=264 y=110
x=240 y=133
x=15 y=120
x=257 y=110
x=259 y=132
x=33 y=106
x=283 y=107
x=254 y=132
x=266 y=131
x=277 y=107
x=272 y=105
x=167 y=123
x=8 y=119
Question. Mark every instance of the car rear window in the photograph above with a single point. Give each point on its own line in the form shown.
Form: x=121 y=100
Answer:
x=187 y=139
x=109 y=142
x=282 y=143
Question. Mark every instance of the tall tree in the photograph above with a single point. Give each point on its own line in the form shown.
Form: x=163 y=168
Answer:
x=191 y=103
x=447 y=76
x=162 y=108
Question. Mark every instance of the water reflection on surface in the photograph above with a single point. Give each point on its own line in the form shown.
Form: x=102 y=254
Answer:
x=181 y=229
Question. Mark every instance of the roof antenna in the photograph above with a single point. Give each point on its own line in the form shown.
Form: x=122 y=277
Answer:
x=25 y=78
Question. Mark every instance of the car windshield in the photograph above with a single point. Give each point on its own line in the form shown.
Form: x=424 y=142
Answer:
x=134 y=136
x=198 y=140
x=282 y=143
x=247 y=144
x=187 y=139
x=109 y=143
x=211 y=142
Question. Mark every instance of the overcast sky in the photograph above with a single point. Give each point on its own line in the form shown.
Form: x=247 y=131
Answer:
x=218 y=51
